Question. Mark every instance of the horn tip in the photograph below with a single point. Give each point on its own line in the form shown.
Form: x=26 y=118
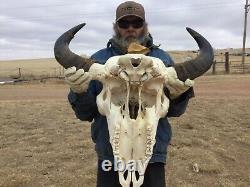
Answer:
x=81 y=25
x=189 y=30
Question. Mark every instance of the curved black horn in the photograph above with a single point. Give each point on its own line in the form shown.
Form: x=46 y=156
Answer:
x=196 y=67
x=65 y=56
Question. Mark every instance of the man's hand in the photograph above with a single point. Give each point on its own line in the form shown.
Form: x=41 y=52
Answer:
x=175 y=86
x=78 y=80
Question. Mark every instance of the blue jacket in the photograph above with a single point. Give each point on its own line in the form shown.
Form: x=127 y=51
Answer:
x=85 y=109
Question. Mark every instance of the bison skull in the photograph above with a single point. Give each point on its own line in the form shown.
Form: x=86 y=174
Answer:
x=132 y=98
x=133 y=101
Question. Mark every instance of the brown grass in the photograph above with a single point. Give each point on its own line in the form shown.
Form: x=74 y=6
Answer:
x=43 y=144
x=30 y=68
x=48 y=67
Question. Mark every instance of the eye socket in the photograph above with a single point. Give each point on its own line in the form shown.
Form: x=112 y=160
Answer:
x=124 y=75
x=144 y=77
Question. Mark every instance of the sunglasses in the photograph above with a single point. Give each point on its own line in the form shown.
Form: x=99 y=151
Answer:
x=124 y=24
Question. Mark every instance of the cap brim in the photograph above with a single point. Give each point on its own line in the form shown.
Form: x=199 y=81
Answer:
x=130 y=15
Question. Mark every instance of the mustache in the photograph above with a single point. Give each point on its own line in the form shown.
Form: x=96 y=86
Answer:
x=131 y=37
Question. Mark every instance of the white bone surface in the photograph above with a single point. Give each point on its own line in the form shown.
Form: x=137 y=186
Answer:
x=133 y=101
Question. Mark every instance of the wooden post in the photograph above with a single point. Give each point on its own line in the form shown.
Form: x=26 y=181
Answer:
x=247 y=6
x=19 y=72
x=227 y=63
x=214 y=68
x=62 y=71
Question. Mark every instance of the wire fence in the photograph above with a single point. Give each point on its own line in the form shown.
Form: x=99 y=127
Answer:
x=31 y=74
x=229 y=65
x=220 y=66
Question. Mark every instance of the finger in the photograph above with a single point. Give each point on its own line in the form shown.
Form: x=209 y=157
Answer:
x=83 y=79
x=175 y=85
x=174 y=82
x=69 y=71
x=76 y=75
x=189 y=82
x=177 y=89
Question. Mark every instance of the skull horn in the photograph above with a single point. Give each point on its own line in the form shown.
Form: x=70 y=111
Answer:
x=196 y=67
x=65 y=56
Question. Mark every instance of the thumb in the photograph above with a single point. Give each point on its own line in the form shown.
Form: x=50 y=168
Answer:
x=69 y=71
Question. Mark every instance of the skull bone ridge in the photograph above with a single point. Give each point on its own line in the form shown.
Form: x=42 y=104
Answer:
x=133 y=101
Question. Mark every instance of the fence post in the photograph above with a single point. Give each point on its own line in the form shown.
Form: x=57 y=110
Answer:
x=214 y=68
x=60 y=71
x=227 y=63
x=19 y=72
x=55 y=72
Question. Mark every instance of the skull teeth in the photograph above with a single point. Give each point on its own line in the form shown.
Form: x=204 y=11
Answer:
x=115 y=140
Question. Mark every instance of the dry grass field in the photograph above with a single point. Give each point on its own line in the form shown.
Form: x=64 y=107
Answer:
x=30 y=68
x=48 y=67
x=43 y=144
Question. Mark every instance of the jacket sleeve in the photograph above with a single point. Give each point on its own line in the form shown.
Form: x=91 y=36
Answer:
x=178 y=105
x=84 y=105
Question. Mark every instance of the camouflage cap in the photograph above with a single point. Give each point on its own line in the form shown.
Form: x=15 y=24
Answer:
x=130 y=8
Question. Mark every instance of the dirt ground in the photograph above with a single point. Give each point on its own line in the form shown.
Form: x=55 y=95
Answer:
x=43 y=144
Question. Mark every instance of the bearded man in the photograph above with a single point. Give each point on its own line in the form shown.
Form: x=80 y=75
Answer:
x=130 y=27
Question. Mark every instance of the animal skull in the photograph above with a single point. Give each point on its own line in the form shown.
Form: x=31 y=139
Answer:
x=132 y=98
x=133 y=101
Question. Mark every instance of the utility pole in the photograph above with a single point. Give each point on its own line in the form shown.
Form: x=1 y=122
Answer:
x=247 y=6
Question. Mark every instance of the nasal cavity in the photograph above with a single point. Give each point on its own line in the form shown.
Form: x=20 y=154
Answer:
x=135 y=62
x=133 y=110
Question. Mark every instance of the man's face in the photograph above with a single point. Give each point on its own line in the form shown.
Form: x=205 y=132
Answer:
x=130 y=27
